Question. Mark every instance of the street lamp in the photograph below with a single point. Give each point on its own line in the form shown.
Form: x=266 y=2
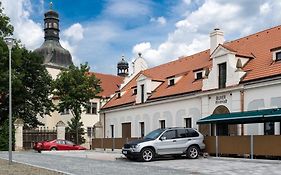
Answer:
x=10 y=42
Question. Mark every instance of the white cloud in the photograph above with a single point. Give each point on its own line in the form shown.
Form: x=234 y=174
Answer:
x=74 y=32
x=139 y=48
x=127 y=8
x=265 y=8
x=160 y=20
x=191 y=35
x=25 y=29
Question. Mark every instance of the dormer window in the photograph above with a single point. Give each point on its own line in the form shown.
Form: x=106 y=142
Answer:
x=222 y=75
x=171 y=82
x=278 y=56
x=198 y=75
x=118 y=93
x=276 y=53
x=135 y=91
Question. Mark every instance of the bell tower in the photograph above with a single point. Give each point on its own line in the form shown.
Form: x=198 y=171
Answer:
x=51 y=24
x=123 y=67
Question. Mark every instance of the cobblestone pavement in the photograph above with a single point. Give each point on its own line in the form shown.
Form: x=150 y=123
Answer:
x=91 y=162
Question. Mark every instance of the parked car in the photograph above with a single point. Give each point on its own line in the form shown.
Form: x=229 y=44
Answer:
x=57 y=144
x=168 y=141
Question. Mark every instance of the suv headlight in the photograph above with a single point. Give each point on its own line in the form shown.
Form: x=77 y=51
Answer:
x=135 y=146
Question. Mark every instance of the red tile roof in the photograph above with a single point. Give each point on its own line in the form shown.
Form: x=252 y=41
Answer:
x=256 y=46
x=109 y=84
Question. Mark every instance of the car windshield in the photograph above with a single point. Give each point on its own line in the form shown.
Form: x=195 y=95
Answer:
x=154 y=134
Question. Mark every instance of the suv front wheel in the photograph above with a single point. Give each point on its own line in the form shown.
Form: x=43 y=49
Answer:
x=192 y=152
x=147 y=154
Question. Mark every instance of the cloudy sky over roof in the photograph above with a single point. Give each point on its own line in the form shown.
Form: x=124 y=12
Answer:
x=100 y=31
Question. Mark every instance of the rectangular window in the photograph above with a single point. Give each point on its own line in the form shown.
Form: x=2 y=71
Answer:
x=188 y=122
x=172 y=82
x=142 y=129
x=112 y=131
x=199 y=75
x=269 y=128
x=278 y=56
x=162 y=124
x=142 y=93
x=135 y=91
x=91 y=108
x=222 y=75
x=90 y=132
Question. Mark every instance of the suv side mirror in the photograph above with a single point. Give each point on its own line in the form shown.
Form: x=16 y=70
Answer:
x=163 y=138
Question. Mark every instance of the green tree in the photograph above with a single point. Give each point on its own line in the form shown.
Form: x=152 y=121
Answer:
x=31 y=83
x=74 y=88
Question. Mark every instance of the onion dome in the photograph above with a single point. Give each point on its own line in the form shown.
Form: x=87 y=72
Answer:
x=52 y=51
x=123 y=67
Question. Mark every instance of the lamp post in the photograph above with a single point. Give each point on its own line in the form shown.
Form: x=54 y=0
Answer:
x=10 y=42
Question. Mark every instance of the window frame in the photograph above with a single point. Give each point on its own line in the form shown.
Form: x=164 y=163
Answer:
x=222 y=77
x=278 y=56
x=162 y=124
x=92 y=108
x=186 y=121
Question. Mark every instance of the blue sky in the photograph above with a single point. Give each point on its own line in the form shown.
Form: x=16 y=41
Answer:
x=100 y=31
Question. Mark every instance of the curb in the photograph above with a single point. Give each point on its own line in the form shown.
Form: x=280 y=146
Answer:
x=247 y=160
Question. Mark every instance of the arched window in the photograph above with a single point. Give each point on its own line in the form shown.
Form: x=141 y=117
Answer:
x=221 y=110
x=55 y=25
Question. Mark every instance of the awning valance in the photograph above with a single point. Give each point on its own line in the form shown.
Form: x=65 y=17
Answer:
x=258 y=116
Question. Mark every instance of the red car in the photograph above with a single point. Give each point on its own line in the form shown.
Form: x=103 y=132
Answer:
x=57 y=144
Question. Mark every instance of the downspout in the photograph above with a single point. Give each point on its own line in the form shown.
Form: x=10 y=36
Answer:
x=103 y=125
x=242 y=109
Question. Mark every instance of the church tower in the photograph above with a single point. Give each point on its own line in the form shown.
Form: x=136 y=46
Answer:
x=55 y=56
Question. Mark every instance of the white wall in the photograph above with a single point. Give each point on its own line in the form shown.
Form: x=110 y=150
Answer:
x=262 y=96
x=173 y=113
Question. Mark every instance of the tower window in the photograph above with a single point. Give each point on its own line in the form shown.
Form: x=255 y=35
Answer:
x=222 y=75
x=55 y=25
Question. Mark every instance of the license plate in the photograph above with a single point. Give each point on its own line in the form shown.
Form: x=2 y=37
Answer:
x=124 y=152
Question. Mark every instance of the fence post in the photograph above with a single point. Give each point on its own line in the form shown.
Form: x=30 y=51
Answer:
x=60 y=130
x=19 y=134
x=113 y=144
x=217 y=146
x=252 y=147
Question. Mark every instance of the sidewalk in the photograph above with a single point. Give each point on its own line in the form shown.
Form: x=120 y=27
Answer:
x=99 y=154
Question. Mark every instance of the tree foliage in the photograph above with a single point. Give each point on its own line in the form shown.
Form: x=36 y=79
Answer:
x=31 y=83
x=74 y=89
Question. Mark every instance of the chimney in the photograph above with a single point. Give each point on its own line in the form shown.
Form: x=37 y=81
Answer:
x=216 y=38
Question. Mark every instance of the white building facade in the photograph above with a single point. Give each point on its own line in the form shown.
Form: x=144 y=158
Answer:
x=237 y=76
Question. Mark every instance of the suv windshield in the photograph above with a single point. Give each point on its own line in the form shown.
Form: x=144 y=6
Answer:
x=154 y=134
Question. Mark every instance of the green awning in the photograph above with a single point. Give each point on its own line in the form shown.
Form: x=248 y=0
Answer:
x=259 y=116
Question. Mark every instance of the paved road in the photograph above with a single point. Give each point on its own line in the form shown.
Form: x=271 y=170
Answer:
x=88 y=163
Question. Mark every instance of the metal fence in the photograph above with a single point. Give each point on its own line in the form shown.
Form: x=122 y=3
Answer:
x=32 y=136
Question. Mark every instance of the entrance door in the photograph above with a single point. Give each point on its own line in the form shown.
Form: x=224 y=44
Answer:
x=126 y=130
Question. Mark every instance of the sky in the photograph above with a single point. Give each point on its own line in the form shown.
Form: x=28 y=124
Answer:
x=101 y=31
